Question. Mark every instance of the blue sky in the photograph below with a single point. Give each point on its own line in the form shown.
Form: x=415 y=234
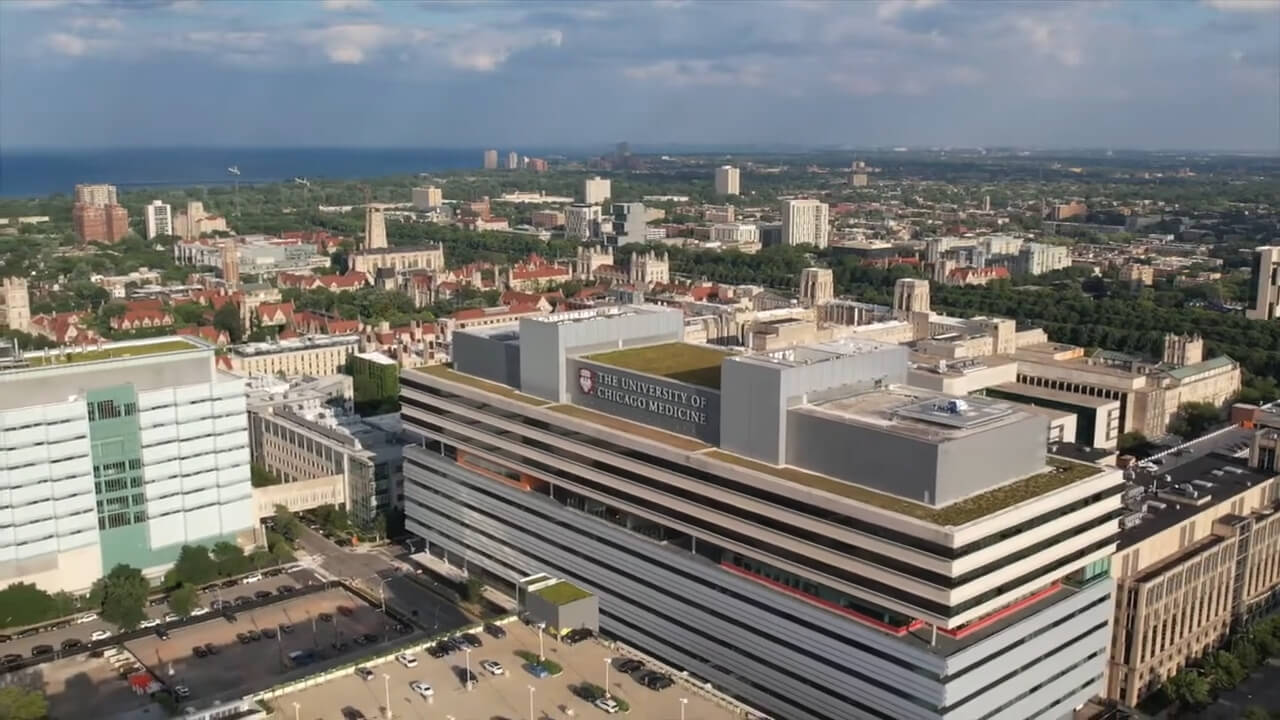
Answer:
x=1125 y=73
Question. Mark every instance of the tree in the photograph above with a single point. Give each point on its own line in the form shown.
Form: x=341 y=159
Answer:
x=286 y=523
x=1255 y=712
x=1224 y=671
x=230 y=559
x=262 y=477
x=1130 y=440
x=183 y=600
x=380 y=526
x=124 y=594
x=19 y=703
x=227 y=318
x=1194 y=419
x=25 y=604
x=473 y=589
x=188 y=313
x=1188 y=688
x=193 y=567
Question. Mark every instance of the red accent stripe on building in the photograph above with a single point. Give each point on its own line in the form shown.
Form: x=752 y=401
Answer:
x=1002 y=612
x=891 y=629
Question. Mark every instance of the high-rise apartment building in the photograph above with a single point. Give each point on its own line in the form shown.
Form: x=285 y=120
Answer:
x=1266 y=284
x=375 y=229
x=1039 y=258
x=513 y=160
x=804 y=221
x=426 y=198
x=817 y=286
x=96 y=216
x=858 y=179
x=119 y=454
x=727 y=178
x=595 y=190
x=629 y=225
x=582 y=221
x=799 y=528
x=15 y=304
x=490 y=159
x=742 y=236
x=159 y=218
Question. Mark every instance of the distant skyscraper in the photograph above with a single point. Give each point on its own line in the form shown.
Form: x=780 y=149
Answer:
x=513 y=161
x=375 y=229
x=804 y=221
x=622 y=152
x=986 y=203
x=490 y=159
x=231 y=264
x=159 y=219
x=595 y=190
x=727 y=180
x=858 y=179
x=96 y=216
x=1266 y=284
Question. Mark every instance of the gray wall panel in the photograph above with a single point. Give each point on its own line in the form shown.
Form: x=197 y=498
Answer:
x=967 y=465
x=891 y=463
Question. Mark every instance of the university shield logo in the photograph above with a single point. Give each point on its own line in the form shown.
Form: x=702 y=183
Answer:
x=586 y=380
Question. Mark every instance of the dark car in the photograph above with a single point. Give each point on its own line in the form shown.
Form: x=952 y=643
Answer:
x=209 y=588
x=494 y=630
x=10 y=659
x=5 y=638
x=286 y=628
x=339 y=645
x=229 y=584
x=573 y=637
x=29 y=632
x=243 y=638
x=436 y=651
x=41 y=650
x=211 y=649
x=262 y=594
x=254 y=635
x=71 y=644
x=285 y=589
x=243 y=599
x=350 y=713
x=199 y=651
x=273 y=572
x=325 y=617
x=630 y=666
x=346 y=610
x=228 y=616
x=656 y=681
x=162 y=633
x=370 y=638
x=269 y=633
x=403 y=629
x=465 y=676
x=471 y=639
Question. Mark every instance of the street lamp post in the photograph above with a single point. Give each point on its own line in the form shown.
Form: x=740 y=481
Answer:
x=386 y=681
x=542 y=627
x=469 y=682
x=606 y=676
x=531 y=690
x=382 y=598
x=297 y=711
x=683 y=702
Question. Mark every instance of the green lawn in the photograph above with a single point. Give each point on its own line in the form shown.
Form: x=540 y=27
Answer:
x=693 y=364
x=447 y=373
x=562 y=593
x=110 y=353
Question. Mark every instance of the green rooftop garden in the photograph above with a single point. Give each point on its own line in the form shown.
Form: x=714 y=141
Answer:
x=693 y=364
x=447 y=373
x=562 y=593
x=1061 y=473
x=631 y=428
x=110 y=353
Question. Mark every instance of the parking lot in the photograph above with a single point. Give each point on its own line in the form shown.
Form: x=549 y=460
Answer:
x=238 y=667
x=502 y=696
x=76 y=683
x=83 y=631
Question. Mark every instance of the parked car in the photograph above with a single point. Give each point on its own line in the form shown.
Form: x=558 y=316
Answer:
x=364 y=673
x=243 y=638
x=407 y=660
x=250 y=578
x=346 y=610
x=158 y=601
x=436 y=651
x=149 y=623
x=471 y=639
x=466 y=677
x=630 y=665
x=172 y=617
x=350 y=713
x=228 y=616
x=86 y=618
x=243 y=599
x=228 y=584
x=657 y=681
x=39 y=650
x=493 y=667
x=339 y=645
x=99 y=635
x=573 y=637
x=269 y=633
x=213 y=649
x=495 y=631
x=71 y=644
x=286 y=628
x=162 y=633
x=198 y=611
x=262 y=594
x=423 y=689
x=537 y=670
x=285 y=589
x=181 y=692
x=209 y=588
x=199 y=651
x=325 y=617
x=608 y=705
x=273 y=572
x=254 y=635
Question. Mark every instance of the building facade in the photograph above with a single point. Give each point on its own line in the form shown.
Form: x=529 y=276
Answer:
x=727 y=180
x=1266 y=284
x=596 y=190
x=97 y=216
x=817 y=286
x=123 y=459
x=308 y=355
x=715 y=514
x=740 y=236
x=159 y=218
x=805 y=221
x=490 y=159
x=629 y=224
x=426 y=198
x=15 y=304
x=399 y=259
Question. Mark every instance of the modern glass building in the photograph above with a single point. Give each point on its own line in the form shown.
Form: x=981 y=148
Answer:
x=799 y=527
x=118 y=454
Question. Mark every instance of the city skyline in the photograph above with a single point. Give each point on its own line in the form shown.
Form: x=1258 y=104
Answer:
x=1131 y=75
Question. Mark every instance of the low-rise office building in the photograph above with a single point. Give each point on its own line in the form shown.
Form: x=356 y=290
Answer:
x=798 y=527
x=308 y=355
x=118 y=454
x=1199 y=551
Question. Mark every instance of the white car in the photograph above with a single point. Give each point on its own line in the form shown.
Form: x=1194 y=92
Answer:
x=608 y=705
x=493 y=667
x=182 y=692
x=421 y=688
x=149 y=623
x=87 y=617
x=250 y=578
x=99 y=635
x=199 y=610
x=171 y=617
x=407 y=660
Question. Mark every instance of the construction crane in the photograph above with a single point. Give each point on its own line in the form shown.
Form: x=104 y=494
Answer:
x=234 y=171
x=306 y=189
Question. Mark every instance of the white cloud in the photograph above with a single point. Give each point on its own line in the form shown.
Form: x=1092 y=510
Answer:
x=686 y=73
x=486 y=50
x=890 y=9
x=101 y=24
x=1046 y=39
x=351 y=44
x=1244 y=5
x=67 y=44
x=347 y=5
